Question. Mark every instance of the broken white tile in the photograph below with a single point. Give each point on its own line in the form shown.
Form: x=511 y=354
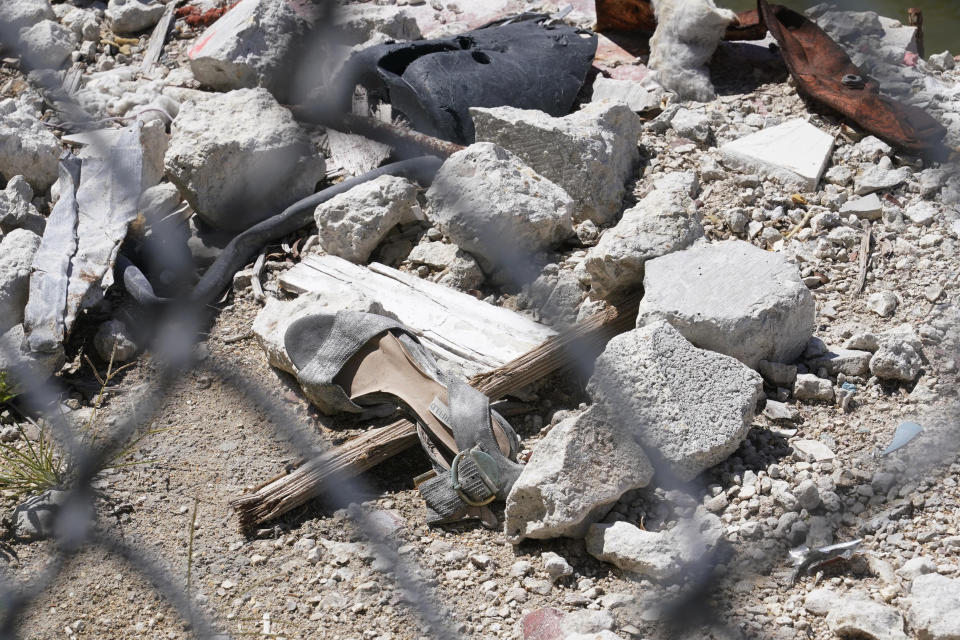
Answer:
x=795 y=152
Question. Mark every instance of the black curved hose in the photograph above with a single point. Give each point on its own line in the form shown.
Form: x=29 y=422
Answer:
x=244 y=246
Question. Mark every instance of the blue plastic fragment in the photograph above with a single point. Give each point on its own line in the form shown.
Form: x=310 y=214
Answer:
x=849 y=386
x=906 y=432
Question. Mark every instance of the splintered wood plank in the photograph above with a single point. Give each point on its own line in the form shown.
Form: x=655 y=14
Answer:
x=157 y=39
x=456 y=326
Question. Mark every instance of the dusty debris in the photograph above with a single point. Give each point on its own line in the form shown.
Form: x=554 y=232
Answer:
x=620 y=193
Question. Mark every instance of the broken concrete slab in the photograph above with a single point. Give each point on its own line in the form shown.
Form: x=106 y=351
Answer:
x=861 y=617
x=921 y=213
x=656 y=555
x=17 y=249
x=809 y=387
x=590 y=153
x=866 y=208
x=239 y=157
x=689 y=407
x=880 y=176
x=255 y=44
x=17 y=210
x=692 y=125
x=812 y=450
x=851 y=362
x=133 y=16
x=635 y=95
x=46 y=45
x=733 y=298
x=24 y=366
x=529 y=214
x=359 y=23
x=575 y=475
x=470 y=334
x=686 y=36
x=899 y=355
x=933 y=607
x=352 y=224
x=795 y=152
x=158 y=201
x=83 y=23
x=458 y=269
x=665 y=220
x=20 y=14
x=27 y=148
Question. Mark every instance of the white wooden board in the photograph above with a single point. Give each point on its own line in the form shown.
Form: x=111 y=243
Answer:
x=456 y=326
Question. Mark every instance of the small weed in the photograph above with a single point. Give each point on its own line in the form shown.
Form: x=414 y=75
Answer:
x=33 y=468
x=7 y=392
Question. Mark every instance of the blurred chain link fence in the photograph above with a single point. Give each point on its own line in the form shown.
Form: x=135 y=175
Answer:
x=177 y=329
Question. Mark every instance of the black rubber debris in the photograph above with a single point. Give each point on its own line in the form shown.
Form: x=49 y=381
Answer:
x=523 y=62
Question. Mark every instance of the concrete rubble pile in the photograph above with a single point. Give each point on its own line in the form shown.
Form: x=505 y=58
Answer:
x=794 y=283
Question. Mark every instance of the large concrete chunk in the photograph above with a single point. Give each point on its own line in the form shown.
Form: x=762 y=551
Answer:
x=352 y=224
x=17 y=210
x=795 y=152
x=635 y=95
x=494 y=206
x=133 y=16
x=933 y=607
x=590 y=153
x=860 y=617
x=16 y=256
x=240 y=157
x=665 y=220
x=253 y=45
x=657 y=555
x=27 y=148
x=687 y=34
x=46 y=45
x=899 y=355
x=733 y=298
x=574 y=476
x=688 y=407
x=19 y=14
x=25 y=368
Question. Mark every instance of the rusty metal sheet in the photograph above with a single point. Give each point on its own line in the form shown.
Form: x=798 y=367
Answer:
x=638 y=15
x=824 y=72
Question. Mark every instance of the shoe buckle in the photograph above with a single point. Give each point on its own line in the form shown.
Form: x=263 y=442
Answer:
x=423 y=477
x=486 y=468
